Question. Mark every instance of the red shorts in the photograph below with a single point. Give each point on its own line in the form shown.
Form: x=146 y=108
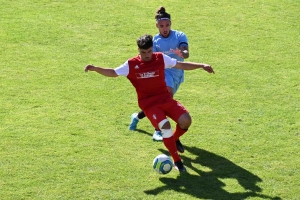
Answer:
x=172 y=109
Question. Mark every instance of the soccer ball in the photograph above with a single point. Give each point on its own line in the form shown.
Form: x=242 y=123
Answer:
x=162 y=164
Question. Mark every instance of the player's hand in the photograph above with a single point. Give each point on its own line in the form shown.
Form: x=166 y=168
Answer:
x=208 y=68
x=177 y=52
x=88 y=67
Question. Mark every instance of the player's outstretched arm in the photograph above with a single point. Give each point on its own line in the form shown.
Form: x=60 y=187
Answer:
x=104 y=71
x=193 y=65
x=183 y=52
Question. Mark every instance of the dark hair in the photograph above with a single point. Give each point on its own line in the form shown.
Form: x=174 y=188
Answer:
x=145 y=41
x=162 y=14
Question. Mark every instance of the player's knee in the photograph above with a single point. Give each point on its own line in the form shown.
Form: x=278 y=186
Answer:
x=165 y=128
x=185 y=121
x=164 y=124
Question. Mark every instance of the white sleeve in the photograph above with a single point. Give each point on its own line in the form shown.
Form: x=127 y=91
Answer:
x=169 y=62
x=123 y=69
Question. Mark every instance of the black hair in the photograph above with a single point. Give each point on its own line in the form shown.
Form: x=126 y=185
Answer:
x=145 y=41
x=162 y=14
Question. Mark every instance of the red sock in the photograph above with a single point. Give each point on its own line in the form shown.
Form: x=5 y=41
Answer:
x=178 y=132
x=171 y=146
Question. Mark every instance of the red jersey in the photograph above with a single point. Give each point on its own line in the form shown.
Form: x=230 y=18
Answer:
x=148 y=78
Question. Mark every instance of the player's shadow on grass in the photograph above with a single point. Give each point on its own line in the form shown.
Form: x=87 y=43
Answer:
x=144 y=132
x=208 y=172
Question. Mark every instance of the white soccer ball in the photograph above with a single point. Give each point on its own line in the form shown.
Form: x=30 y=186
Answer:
x=162 y=164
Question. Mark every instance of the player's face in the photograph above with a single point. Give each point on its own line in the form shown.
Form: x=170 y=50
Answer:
x=146 y=54
x=164 y=27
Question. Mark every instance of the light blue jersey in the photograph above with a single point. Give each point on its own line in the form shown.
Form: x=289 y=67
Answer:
x=173 y=77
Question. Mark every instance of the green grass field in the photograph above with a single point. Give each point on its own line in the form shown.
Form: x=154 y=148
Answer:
x=63 y=132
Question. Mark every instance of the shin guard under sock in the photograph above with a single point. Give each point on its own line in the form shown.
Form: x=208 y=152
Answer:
x=171 y=146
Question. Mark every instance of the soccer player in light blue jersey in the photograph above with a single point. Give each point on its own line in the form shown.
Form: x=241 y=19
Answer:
x=174 y=44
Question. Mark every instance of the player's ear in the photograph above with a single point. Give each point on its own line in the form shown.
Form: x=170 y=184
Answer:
x=157 y=25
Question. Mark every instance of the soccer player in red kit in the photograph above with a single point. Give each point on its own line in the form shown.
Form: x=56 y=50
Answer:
x=146 y=74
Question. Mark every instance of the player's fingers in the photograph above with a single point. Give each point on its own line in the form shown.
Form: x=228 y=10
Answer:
x=210 y=70
x=86 y=69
